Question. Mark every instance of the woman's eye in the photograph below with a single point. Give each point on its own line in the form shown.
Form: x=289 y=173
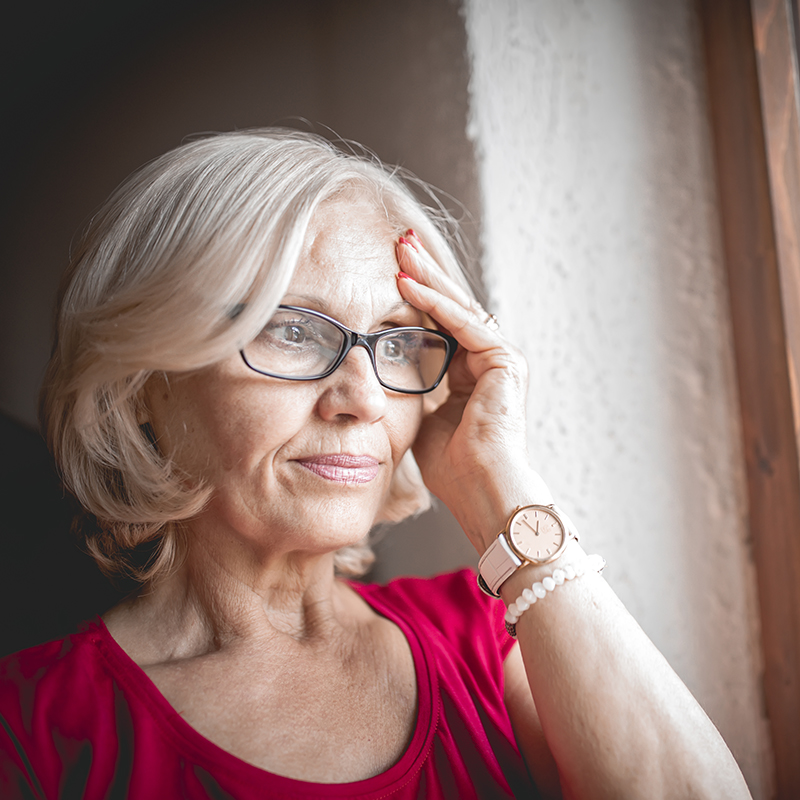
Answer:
x=282 y=332
x=393 y=348
x=293 y=333
x=400 y=349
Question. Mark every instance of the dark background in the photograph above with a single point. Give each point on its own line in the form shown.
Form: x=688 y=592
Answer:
x=91 y=90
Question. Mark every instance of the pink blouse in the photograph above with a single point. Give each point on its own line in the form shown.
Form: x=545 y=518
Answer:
x=79 y=719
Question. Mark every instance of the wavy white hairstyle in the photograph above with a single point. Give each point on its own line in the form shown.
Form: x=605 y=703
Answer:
x=211 y=227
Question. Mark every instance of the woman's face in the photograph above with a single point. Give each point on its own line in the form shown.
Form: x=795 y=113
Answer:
x=300 y=465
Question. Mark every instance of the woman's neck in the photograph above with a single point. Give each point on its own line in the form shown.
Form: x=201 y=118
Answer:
x=215 y=601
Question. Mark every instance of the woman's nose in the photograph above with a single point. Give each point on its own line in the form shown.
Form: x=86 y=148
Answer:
x=353 y=390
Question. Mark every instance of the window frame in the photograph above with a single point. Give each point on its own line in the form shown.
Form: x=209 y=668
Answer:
x=753 y=90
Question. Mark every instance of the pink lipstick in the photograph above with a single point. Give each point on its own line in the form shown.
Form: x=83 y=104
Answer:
x=343 y=468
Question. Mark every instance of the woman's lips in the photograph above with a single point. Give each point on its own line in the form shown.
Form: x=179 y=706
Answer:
x=343 y=468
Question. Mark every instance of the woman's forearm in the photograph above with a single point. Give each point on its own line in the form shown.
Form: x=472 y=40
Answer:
x=618 y=720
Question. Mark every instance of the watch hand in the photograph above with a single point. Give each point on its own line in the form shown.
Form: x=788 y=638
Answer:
x=536 y=529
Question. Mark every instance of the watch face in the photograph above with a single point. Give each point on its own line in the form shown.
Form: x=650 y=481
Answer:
x=537 y=534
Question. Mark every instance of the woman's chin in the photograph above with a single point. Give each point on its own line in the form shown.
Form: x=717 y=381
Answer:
x=314 y=525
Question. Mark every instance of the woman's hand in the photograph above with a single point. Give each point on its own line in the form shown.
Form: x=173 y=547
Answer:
x=617 y=719
x=472 y=450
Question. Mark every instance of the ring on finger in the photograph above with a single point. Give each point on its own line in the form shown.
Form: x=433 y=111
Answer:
x=491 y=322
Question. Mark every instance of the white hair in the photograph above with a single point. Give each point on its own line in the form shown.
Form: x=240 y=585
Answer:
x=177 y=270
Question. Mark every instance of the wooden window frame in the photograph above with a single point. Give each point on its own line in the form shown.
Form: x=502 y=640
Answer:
x=751 y=66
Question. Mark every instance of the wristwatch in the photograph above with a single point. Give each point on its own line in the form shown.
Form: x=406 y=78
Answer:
x=533 y=535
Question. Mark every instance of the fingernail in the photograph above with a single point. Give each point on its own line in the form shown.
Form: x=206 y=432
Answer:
x=406 y=242
x=403 y=275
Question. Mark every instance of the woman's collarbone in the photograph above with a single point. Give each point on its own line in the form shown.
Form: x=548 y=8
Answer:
x=327 y=714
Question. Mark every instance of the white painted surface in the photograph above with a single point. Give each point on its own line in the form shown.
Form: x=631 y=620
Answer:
x=603 y=261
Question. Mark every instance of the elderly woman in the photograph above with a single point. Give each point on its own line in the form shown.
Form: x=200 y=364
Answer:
x=247 y=339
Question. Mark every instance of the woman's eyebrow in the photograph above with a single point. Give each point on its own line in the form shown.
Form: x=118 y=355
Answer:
x=319 y=304
x=312 y=300
x=400 y=305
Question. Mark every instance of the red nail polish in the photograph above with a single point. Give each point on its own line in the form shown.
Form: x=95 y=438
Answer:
x=406 y=242
x=403 y=275
x=412 y=232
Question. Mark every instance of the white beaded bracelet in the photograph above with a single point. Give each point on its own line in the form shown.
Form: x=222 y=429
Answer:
x=541 y=588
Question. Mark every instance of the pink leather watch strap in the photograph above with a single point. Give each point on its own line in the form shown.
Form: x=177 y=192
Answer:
x=497 y=564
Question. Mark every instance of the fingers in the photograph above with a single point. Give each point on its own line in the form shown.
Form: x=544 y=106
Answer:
x=424 y=285
x=461 y=322
x=417 y=262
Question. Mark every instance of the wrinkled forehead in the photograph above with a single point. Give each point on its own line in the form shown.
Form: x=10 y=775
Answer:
x=358 y=225
x=348 y=238
x=348 y=264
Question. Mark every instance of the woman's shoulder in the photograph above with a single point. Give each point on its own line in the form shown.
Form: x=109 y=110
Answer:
x=457 y=588
x=44 y=671
x=451 y=603
x=58 y=709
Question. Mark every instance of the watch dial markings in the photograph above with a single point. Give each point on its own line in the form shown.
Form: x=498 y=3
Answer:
x=537 y=534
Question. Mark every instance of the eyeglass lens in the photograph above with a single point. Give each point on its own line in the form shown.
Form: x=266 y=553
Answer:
x=298 y=344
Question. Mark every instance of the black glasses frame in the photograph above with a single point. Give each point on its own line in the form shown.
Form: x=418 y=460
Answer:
x=367 y=341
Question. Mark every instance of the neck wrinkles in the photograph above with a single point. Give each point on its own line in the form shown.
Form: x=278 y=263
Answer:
x=208 y=605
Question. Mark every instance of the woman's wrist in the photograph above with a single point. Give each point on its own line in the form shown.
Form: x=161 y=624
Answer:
x=485 y=511
x=528 y=574
x=537 y=591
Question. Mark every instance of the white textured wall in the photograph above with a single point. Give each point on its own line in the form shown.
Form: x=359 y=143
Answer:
x=603 y=261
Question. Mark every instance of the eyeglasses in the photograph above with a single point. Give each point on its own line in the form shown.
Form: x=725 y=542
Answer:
x=302 y=345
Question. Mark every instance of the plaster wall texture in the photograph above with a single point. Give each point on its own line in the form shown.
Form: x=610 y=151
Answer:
x=603 y=261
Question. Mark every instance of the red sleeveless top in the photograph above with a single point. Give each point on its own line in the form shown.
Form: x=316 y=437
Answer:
x=79 y=719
